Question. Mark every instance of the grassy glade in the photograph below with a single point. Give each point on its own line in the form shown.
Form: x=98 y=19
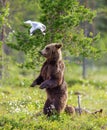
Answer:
x=21 y=106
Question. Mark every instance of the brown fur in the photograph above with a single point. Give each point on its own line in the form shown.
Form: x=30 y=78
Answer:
x=51 y=78
x=70 y=110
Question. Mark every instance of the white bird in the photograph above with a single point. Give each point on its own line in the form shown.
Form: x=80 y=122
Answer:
x=36 y=25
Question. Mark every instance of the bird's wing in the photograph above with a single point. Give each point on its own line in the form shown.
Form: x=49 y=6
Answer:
x=34 y=24
x=37 y=25
x=43 y=27
x=32 y=30
x=34 y=27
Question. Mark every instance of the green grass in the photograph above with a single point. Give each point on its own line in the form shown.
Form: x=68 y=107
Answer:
x=21 y=109
x=21 y=106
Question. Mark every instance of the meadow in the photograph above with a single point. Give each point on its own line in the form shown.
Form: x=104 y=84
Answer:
x=81 y=27
x=21 y=106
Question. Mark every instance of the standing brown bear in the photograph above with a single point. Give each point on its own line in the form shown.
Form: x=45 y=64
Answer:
x=51 y=78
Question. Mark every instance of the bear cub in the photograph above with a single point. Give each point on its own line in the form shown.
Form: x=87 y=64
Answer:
x=51 y=78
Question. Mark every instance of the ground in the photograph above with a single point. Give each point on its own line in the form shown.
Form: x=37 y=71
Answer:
x=21 y=106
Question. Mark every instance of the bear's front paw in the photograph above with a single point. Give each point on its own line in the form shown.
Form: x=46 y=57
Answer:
x=33 y=84
x=43 y=85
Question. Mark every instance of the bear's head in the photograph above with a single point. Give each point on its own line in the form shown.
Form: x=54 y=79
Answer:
x=52 y=51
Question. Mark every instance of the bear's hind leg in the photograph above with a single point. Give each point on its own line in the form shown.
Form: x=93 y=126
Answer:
x=48 y=108
x=59 y=105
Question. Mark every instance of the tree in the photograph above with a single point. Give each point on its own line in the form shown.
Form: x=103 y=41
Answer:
x=62 y=19
x=86 y=32
x=63 y=25
x=19 y=38
x=100 y=26
x=101 y=7
x=4 y=12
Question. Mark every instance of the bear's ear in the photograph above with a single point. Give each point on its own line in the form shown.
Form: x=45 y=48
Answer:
x=58 y=45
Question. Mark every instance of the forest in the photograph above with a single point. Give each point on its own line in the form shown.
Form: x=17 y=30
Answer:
x=81 y=27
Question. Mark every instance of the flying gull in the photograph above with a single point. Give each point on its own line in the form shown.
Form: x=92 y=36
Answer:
x=36 y=25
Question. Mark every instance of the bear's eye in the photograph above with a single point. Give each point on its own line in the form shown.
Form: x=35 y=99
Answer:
x=47 y=48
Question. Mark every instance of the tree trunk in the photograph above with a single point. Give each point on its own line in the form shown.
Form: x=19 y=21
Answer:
x=3 y=2
x=3 y=55
x=84 y=67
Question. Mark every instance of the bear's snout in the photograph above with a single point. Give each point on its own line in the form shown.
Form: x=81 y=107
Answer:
x=40 y=52
x=43 y=53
